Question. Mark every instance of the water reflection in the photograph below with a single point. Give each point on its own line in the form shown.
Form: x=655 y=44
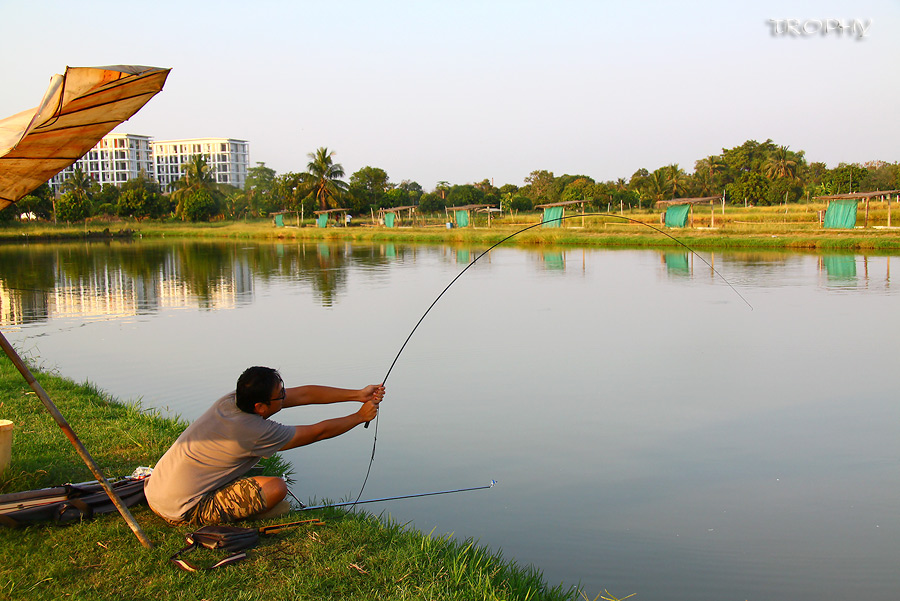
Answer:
x=554 y=261
x=677 y=263
x=39 y=281
x=841 y=268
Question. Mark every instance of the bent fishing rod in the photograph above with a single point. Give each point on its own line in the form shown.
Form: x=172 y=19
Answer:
x=492 y=247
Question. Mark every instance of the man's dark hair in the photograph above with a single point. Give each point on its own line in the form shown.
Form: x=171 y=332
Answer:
x=255 y=386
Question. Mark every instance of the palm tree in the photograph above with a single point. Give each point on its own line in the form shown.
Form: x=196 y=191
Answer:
x=80 y=184
x=322 y=179
x=197 y=177
x=676 y=180
x=657 y=186
x=705 y=171
x=780 y=164
x=442 y=187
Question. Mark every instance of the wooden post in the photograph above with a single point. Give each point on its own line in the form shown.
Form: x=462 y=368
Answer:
x=889 y=209
x=712 y=215
x=866 y=223
x=691 y=211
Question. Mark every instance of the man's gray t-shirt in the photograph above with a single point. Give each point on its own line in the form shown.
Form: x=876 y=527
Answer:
x=221 y=446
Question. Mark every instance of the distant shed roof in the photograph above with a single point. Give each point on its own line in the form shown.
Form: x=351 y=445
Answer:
x=688 y=201
x=859 y=195
x=467 y=207
x=562 y=204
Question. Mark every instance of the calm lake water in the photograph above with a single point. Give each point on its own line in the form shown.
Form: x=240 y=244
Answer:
x=650 y=432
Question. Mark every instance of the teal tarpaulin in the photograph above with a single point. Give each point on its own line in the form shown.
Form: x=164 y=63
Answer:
x=677 y=216
x=279 y=220
x=841 y=214
x=389 y=219
x=552 y=216
x=322 y=221
x=462 y=218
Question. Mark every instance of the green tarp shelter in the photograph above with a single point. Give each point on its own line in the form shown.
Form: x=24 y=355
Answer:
x=389 y=219
x=279 y=220
x=322 y=220
x=841 y=214
x=677 y=215
x=462 y=218
x=552 y=216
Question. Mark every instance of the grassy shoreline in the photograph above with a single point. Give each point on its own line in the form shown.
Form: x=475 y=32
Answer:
x=353 y=556
x=795 y=227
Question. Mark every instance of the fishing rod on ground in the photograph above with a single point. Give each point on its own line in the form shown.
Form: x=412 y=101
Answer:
x=492 y=247
x=304 y=507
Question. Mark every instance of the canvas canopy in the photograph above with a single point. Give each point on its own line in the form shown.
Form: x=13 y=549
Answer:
x=77 y=110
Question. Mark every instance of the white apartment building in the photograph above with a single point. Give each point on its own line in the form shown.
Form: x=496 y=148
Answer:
x=118 y=158
x=115 y=159
x=228 y=158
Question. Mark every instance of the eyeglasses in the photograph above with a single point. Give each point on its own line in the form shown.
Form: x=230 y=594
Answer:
x=282 y=396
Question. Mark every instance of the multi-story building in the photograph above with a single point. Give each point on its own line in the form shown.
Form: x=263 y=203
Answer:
x=118 y=158
x=115 y=159
x=228 y=159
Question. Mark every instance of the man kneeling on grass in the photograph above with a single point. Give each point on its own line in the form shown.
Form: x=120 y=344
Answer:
x=201 y=478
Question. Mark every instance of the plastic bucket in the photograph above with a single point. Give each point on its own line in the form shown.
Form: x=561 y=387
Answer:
x=6 y=432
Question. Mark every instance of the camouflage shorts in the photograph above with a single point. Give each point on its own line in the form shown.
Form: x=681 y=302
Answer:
x=235 y=501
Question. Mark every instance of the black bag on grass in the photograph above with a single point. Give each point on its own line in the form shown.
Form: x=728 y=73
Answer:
x=66 y=504
x=227 y=538
x=234 y=539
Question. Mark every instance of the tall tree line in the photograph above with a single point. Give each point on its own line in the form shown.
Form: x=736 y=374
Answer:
x=754 y=173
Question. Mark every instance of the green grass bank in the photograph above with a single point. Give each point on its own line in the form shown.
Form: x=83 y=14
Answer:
x=793 y=227
x=352 y=556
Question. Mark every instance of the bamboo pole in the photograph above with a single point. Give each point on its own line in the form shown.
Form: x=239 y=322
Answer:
x=70 y=434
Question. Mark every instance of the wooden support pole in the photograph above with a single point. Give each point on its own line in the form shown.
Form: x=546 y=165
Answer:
x=889 y=209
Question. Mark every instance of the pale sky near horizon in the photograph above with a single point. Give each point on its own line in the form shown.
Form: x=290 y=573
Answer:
x=462 y=91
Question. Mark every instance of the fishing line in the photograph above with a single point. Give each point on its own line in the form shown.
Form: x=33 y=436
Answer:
x=492 y=247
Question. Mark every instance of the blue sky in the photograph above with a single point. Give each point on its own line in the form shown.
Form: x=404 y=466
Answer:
x=462 y=91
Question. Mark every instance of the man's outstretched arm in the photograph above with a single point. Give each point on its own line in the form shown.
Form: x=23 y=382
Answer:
x=329 y=428
x=321 y=395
